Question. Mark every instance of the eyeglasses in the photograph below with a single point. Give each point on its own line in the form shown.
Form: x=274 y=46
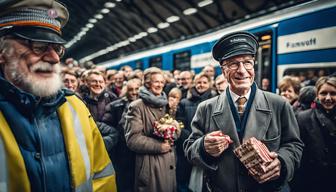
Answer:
x=248 y=64
x=39 y=48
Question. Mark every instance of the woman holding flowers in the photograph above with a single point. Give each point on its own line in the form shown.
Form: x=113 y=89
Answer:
x=155 y=156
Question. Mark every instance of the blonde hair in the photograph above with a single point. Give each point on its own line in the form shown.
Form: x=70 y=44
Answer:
x=325 y=80
x=125 y=88
x=95 y=72
x=175 y=92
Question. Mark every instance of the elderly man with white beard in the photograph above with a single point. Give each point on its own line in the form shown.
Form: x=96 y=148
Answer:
x=51 y=141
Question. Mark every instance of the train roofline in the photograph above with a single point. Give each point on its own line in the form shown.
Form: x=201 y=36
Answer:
x=269 y=19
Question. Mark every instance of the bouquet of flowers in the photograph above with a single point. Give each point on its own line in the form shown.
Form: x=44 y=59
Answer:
x=167 y=128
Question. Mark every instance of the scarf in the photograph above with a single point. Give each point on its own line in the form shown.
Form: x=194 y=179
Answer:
x=196 y=96
x=149 y=98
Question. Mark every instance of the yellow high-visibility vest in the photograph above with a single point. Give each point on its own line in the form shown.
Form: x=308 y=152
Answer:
x=90 y=166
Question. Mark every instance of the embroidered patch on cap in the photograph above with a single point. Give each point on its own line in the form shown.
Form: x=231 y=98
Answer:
x=52 y=13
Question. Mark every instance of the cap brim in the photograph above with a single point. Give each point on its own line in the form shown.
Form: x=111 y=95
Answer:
x=39 y=34
x=238 y=52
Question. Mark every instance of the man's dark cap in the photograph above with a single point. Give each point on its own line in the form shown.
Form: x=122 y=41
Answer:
x=234 y=44
x=36 y=20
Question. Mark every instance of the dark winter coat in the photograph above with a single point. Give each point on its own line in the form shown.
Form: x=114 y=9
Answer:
x=185 y=113
x=110 y=136
x=122 y=157
x=318 y=165
x=97 y=107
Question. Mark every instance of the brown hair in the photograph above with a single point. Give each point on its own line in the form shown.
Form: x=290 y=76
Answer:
x=202 y=74
x=69 y=72
x=289 y=81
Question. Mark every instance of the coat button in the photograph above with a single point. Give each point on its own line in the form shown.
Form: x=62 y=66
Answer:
x=171 y=167
x=37 y=156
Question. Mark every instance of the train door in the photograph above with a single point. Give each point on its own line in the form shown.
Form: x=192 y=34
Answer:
x=263 y=66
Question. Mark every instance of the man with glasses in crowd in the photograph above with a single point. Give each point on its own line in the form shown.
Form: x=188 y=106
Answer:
x=263 y=115
x=51 y=141
x=186 y=78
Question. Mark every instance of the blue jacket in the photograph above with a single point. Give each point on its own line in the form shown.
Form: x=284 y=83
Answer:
x=52 y=144
x=35 y=125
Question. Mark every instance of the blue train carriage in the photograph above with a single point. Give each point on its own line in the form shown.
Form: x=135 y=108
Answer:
x=307 y=44
x=299 y=40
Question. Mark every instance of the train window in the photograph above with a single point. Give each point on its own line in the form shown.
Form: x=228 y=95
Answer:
x=182 y=61
x=156 y=62
x=263 y=68
x=139 y=64
x=309 y=75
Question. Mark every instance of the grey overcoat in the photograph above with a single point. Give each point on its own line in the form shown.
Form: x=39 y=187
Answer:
x=271 y=120
x=154 y=170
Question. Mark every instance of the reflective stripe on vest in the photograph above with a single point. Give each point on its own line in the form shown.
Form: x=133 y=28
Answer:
x=17 y=175
x=85 y=187
x=3 y=168
x=81 y=140
x=107 y=171
x=78 y=131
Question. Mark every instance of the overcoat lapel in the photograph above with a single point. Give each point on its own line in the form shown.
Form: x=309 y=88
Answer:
x=223 y=118
x=259 y=118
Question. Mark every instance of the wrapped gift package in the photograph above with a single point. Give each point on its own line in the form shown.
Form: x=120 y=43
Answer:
x=254 y=155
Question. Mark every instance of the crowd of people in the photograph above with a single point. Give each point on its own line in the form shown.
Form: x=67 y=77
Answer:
x=70 y=128
x=130 y=138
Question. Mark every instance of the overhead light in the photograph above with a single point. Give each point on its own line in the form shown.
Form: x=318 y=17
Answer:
x=172 y=19
x=109 y=5
x=132 y=39
x=137 y=36
x=93 y=20
x=266 y=37
x=105 y=11
x=266 y=46
x=89 y=25
x=111 y=48
x=124 y=43
x=98 y=16
x=152 y=30
x=189 y=11
x=118 y=0
x=85 y=29
x=205 y=3
x=163 y=25
x=143 y=34
x=102 y=52
x=82 y=33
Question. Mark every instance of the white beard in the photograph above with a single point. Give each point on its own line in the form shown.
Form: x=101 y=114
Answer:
x=27 y=81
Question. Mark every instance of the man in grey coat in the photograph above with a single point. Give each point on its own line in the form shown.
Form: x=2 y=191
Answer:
x=263 y=115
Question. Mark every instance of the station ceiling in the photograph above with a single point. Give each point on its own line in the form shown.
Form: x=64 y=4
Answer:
x=101 y=30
